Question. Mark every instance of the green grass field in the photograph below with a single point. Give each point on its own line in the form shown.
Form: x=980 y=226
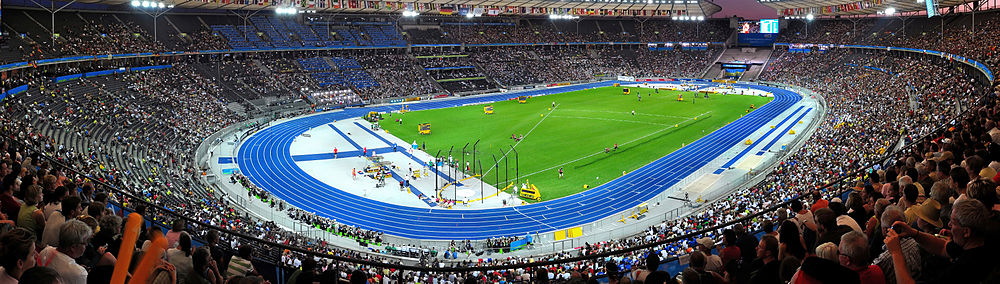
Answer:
x=573 y=135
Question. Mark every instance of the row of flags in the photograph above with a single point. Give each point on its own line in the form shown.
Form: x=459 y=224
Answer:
x=832 y=9
x=447 y=9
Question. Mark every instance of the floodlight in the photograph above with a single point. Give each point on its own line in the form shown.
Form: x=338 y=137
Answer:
x=286 y=11
x=701 y=18
x=136 y=3
x=890 y=11
x=161 y=5
x=810 y=17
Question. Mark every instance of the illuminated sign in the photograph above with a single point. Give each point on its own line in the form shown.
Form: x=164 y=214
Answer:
x=769 y=26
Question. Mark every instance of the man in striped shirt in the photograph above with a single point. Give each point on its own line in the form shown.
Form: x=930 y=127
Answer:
x=240 y=264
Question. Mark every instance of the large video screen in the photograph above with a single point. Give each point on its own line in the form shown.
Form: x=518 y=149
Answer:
x=764 y=26
x=749 y=27
x=769 y=26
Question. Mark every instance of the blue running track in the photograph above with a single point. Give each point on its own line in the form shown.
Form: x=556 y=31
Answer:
x=265 y=159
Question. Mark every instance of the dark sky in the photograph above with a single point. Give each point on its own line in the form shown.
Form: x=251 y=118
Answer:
x=749 y=9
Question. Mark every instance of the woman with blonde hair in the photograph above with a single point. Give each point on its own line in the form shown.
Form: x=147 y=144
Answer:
x=829 y=251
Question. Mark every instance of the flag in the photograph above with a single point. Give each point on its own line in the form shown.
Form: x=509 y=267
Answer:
x=446 y=10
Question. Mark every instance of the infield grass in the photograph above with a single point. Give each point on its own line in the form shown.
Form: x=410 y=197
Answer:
x=574 y=134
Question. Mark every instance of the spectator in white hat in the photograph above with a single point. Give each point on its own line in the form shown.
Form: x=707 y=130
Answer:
x=712 y=262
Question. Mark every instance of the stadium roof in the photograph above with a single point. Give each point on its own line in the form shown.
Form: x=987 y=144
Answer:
x=662 y=8
x=850 y=7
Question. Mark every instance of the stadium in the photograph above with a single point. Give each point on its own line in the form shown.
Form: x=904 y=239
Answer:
x=432 y=141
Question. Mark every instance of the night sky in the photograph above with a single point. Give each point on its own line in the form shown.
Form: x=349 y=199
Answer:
x=749 y=9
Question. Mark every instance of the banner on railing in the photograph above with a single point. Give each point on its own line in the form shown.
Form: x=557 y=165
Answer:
x=13 y=91
x=518 y=244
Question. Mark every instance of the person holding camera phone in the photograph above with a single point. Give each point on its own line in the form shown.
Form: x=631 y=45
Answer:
x=965 y=243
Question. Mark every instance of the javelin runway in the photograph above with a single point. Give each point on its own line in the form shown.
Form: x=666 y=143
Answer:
x=265 y=159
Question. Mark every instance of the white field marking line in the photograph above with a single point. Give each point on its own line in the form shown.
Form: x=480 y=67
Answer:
x=600 y=152
x=522 y=139
x=615 y=112
x=533 y=219
x=610 y=119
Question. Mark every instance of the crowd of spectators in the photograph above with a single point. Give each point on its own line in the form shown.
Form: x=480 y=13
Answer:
x=531 y=31
x=685 y=31
x=106 y=36
x=249 y=81
x=397 y=77
x=518 y=66
x=204 y=40
x=139 y=133
x=981 y=43
x=151 y=164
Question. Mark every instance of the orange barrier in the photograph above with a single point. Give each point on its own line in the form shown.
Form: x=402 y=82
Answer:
x=149 y=259
x=132 y=228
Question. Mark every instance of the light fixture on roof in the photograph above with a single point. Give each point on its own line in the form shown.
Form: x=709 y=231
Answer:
x=810 y=17
x=701 y=18
x=286 y=11
x=161 y=5
x=136 y=3
x=890 y=11
x=409 y=13
x=562 y=17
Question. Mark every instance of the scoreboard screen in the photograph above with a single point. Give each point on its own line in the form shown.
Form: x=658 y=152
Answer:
x=749 y=27
x=764 y=26
x=769 y=26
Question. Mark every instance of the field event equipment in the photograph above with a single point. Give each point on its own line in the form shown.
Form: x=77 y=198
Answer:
x=424 y=128
x=531 y=192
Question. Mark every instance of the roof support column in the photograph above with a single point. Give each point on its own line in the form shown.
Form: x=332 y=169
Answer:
x=52 y=10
